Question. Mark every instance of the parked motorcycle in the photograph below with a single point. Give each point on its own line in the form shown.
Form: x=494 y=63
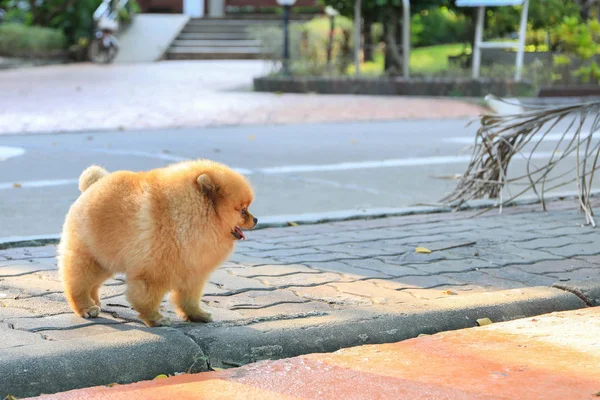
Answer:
x=104 y=46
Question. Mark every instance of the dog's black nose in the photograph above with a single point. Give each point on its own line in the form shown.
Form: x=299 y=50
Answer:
x=255 y=220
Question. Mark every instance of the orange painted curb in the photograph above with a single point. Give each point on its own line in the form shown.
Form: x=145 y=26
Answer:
x=556 y=356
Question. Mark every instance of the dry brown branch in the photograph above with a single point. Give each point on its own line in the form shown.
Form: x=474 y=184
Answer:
x=502 y=138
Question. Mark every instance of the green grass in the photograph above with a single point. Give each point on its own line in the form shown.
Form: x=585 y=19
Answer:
x=423 y=60
x=433 y=59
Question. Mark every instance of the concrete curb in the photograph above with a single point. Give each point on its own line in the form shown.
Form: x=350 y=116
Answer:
x=28 y=241
x=120 y=357
x=124 y=357
x=227 y=346
x=587 y=291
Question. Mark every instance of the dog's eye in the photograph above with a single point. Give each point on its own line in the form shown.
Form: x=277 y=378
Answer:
x=244 y=212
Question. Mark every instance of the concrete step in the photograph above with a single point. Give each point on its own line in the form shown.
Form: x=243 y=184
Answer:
x=223 y=39
x=216 y=43
x=215 y=29
x=267 y=17
x=213 y=36
x=211 y=55
x=230 y=22
x=214 y=49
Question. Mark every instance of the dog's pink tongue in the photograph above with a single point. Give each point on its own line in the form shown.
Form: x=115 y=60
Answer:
x=240 y=232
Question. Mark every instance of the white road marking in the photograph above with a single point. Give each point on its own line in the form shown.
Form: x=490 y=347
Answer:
x=136 y=153
x=390 y=163
x=9 y=152
x=38 y=184
x=290 y=169
x=159 y=156
x=550 y=137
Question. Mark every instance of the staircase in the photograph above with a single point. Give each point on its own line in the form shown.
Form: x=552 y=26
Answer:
x=223 y=38
x=216 y=39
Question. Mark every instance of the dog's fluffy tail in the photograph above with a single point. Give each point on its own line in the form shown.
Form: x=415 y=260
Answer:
x=90 y=176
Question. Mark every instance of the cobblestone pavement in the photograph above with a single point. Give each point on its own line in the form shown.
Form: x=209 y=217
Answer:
x=84 y=97
x=325 y=269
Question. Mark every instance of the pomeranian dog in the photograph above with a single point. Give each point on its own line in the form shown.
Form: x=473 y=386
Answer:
x=166 y=229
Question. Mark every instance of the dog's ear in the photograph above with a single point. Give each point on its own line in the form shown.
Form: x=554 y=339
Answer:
x=208 y=187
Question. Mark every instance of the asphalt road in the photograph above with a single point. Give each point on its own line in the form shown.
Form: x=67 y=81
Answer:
x=295 y=169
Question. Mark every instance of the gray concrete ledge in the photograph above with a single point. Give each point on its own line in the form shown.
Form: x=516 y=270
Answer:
x=235 y=345
x=588 y=291
x=120 y=357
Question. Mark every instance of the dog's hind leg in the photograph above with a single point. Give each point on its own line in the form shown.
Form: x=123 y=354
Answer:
x=82 y=276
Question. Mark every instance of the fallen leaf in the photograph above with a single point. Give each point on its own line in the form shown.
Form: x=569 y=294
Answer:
x=217 y=369
x=476 y=254
x=450 y=292
x=17 y=185
x=10 y=397
x=484 y=321
x=422 y=250
x=112 y=384
x=251 y=137
x=292 y=224
x=423 y=334
x=161 y=376
x=278 y=93
x=597 y=394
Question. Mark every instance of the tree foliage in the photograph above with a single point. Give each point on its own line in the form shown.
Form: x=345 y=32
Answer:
x=73 y=17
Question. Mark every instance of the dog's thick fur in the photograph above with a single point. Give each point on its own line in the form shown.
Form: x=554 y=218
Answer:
x=166 y=229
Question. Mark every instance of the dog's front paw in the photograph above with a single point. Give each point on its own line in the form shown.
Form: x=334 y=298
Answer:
x=202 y=316
x=90 y=312
x=162 y=321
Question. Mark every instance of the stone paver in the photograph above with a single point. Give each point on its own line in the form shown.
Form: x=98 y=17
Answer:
x=305 y=275
x=85 y=97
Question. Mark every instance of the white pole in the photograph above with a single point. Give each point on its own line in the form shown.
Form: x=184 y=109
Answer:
x=478 y=40
x=357 y=22
x=522 y=35
x=406 y=38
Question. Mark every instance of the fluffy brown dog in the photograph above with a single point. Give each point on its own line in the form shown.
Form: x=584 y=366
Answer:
x=166 y=229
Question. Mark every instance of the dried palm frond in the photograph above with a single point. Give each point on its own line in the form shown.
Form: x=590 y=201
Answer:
x=502 y=138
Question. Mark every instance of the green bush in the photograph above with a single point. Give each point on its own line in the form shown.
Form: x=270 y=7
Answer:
x=579 y=45
x=73 y=18
x=439 y=25
x=308 y=45
x=19 y=40
x=544 y=15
